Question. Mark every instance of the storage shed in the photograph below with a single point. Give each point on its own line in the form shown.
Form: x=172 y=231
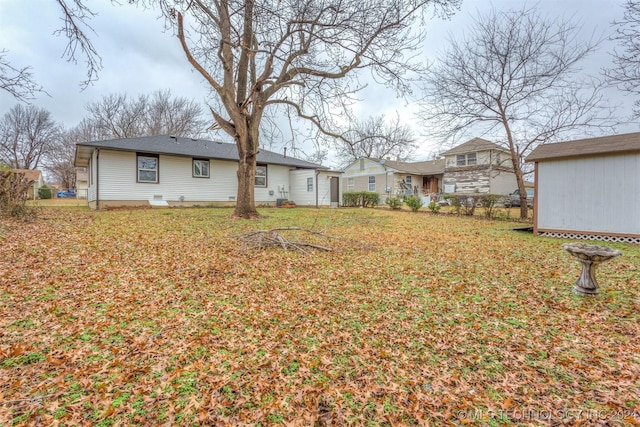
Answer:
x=588 y=188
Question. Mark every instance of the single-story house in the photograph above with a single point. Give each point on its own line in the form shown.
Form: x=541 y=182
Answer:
x=392 y=178
x=478 y=166
x=34 y=176
x=166 y=170
x=588 y=188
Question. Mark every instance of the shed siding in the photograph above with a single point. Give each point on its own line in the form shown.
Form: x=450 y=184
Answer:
x=596 y=194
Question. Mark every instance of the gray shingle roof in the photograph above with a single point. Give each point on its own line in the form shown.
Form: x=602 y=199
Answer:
x=472 y=146
x=629 y=142
x=187 y=147
x=429 y=167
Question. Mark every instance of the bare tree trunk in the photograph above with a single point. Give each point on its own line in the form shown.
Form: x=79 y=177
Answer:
x=247 y=144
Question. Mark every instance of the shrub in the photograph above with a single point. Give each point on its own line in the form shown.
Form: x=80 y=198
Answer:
x=434 y=207
x=489 y=202
x=394 y=202
x=44 y=192
x=463 y=205
x=414 y=202
x=13 y=194
x=360 y=198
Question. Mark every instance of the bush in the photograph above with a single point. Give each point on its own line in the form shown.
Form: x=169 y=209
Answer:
x=13 y=194
x=434 y=207
x=414 y=202
x=44 y=192
x=394 y=202
x=463 y=205
x=489 y=202
x=360 y=198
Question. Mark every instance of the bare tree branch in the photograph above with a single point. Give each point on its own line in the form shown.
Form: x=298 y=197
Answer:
x=514 y=78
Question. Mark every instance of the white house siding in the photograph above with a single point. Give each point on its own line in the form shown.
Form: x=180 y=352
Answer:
x=324 y=187
x=600 y=195
x=277 y=183
x=118 y=171
x=299 y=193
x=92 y=176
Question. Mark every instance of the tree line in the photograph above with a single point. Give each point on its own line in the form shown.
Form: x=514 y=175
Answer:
x=514 y=75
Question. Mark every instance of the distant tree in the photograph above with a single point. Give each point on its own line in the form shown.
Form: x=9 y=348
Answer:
x=515 y=77
x=118 y=116
x=20 y=82
x=626 y=57
x=26 y=136
x=376 y=138
x=299 y=55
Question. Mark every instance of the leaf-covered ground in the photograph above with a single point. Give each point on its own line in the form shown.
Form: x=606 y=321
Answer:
x=164 y=317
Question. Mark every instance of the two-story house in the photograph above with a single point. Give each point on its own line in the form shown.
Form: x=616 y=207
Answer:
x=478 y=166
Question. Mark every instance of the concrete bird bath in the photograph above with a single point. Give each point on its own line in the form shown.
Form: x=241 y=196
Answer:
x=590 y=256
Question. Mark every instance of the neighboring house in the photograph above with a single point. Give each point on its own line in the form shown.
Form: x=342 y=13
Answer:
x=174 y=171
x=588 y=188
x=393 y=178
x=82 y=183
x=478 y=166
x=34 y=176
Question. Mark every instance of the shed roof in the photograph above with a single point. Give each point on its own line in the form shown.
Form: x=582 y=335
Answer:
x=624 y=143
x=474 y=145
x=186 y=147
x=429 y=167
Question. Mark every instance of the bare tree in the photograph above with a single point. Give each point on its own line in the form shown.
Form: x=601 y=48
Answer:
x=26 y=136
x=515 y=77
x=20 y=82
x=626 y=57
x=300 y=55
x=117 y=116
x=376 y=138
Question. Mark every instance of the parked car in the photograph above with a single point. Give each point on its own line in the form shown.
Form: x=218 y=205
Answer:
x=513 y=199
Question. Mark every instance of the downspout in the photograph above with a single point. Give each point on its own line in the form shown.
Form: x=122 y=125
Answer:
x=97 y=178
x=318 y=174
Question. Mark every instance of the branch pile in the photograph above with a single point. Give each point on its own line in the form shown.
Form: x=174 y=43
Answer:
x=288 y=238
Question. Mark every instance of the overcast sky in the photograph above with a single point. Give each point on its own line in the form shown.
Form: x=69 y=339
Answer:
x=138 y=58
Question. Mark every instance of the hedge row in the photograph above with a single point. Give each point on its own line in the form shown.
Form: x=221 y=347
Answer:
x=360 y=198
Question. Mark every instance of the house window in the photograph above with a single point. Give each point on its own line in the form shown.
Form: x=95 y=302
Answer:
x=408 y=180
x=309 y=184
x=147 y=168
x=361 y=164
x=350 y=184
x=372 y=183
x=261 y=176
x=200 y=168
x=466 y=159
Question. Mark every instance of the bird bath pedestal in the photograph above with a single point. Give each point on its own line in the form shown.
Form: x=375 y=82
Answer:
x=590 y=256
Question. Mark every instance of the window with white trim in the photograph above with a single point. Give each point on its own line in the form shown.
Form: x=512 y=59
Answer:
x=372 y=183
x=261 y=176
x=407 y=180
x=147 y=168
x=309 y=184
x=351 y=184
x=466 y=159
x=200 y=168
